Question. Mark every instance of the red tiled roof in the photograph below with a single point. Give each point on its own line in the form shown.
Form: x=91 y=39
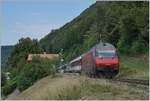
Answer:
x=48 y=56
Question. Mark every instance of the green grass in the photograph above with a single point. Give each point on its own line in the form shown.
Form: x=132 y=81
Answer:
x=134 y=67
x=105 y=90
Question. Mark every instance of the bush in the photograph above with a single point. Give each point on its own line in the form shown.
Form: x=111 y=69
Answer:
x=9 y=87
x=23 y=82
x=138 y=47
x=123 y=47
x=34 y=71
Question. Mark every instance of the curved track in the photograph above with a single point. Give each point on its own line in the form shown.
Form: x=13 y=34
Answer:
x=133 y=81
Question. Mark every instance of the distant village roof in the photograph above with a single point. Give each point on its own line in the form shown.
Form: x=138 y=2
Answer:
x=44 y=55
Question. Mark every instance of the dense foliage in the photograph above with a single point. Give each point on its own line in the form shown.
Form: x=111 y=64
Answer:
x=21 y=50
x=9 y=86
x=124 y=24
x=35 y=70
x=22 y=72
x=17 y=61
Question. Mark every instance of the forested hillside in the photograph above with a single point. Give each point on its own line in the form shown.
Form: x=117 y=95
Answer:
x=124 y=24
x=5 y=53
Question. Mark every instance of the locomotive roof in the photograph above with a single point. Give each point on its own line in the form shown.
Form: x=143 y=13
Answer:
x=104 y=45
x=76 y=59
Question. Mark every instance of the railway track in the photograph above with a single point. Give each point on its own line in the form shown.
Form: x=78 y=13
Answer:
x=133 y=81
x=130 y=81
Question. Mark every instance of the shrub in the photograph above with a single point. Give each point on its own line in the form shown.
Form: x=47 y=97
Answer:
x=34 y=71
x=9 y=87
x=123 y=47
x=138 y=47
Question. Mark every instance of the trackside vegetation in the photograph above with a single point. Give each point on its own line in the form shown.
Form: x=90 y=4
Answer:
x=34 y=71
x=134 y=67
x=25 y=73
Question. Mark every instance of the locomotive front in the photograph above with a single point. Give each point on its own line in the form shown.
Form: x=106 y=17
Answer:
x=106 y=60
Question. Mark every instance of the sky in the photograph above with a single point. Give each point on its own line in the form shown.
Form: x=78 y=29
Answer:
x=36 y=18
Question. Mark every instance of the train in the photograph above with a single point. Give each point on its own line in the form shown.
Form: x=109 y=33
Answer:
x=101 y=60
x=74 y=66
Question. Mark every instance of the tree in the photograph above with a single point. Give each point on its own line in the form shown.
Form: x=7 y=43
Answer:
x=35 y=70
x=20 y=52
x=17 y=61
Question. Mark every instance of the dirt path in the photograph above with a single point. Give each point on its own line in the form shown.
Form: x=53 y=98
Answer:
x=14 y=94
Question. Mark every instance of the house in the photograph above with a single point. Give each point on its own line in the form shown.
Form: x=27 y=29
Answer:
x=44 y=56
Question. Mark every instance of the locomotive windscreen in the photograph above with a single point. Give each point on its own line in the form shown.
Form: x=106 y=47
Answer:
x=106 y=53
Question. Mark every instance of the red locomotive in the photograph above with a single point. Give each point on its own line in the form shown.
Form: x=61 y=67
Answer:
x=101 y=60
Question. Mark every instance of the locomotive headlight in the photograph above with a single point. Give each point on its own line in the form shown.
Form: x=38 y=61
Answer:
x=116 y=65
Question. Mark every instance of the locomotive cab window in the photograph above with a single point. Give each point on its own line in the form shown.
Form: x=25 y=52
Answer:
x=105 y=53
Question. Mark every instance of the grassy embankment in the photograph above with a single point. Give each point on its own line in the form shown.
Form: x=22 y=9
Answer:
x=79 y=87
x=134 y=67
x=82 y=88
